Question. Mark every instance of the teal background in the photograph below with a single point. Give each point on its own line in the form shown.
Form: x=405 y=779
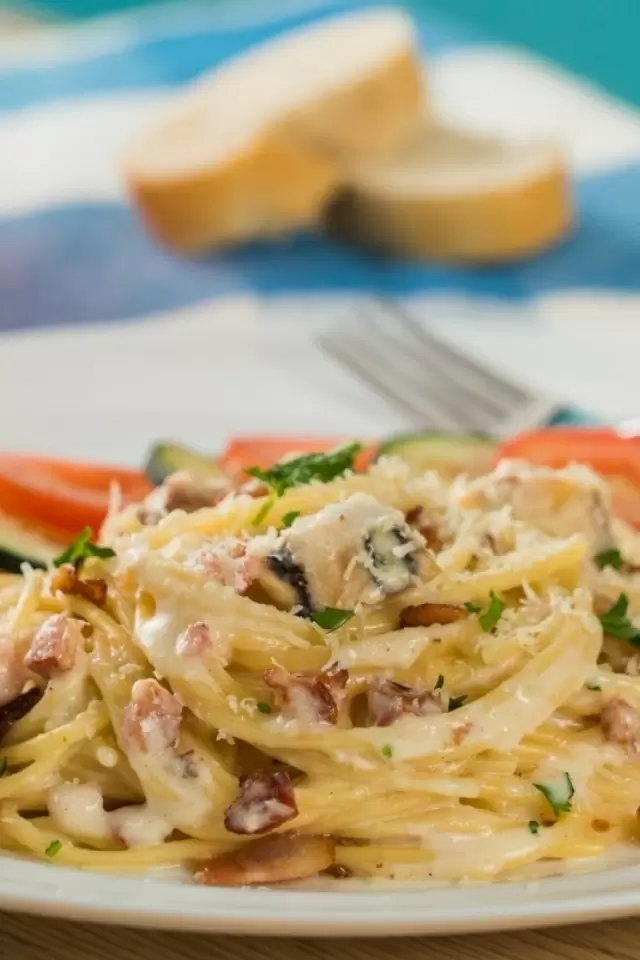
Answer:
x=599 y=39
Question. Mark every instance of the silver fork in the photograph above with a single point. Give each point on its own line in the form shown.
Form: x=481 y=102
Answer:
x=432 y=381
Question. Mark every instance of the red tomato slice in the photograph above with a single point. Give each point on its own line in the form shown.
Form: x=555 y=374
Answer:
x=614 y=456
x=602 y=448
x=61 y=496
x=263 y=451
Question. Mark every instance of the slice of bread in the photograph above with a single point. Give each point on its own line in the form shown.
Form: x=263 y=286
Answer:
x=453 y=196
x=257 y=147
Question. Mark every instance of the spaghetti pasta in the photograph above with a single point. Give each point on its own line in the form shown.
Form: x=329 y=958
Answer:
x=317 y=664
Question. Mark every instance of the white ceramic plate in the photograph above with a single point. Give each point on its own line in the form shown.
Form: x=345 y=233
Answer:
x=106 y=393
x=59 y=891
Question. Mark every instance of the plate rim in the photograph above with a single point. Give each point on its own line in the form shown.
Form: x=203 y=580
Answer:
x=120 y=900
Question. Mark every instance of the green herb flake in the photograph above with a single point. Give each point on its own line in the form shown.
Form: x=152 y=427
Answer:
x=387 y=750
x=609 y=558
x=54 y=847
x=261 y=514
x=4 y=764
x=616 y=622
x=593 y=685
x=331 y=618
x=492 y=612
x=81 y=549
x=263 y=706
x=289 y=518
x=456 y=702
x=299 y=471
x=557 y=793
x=534 y=826
x=439 y=682
x=472 y=607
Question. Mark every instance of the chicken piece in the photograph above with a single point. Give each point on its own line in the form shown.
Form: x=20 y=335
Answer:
x=388 y=700
x=359 y=548
x=272 y=859
x=310 y=698
x=55 y=646
x=152 y=718
x=78 y=809
x=264 y=801
x=139 y=826
x=559 y=504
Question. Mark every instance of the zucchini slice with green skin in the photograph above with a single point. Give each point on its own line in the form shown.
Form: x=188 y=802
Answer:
x=447 y=453
x=18 y=544
x=166 y=458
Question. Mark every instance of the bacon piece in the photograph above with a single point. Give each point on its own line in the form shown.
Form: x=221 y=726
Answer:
x=254 y=488
x=338 y=871
x=152 y=718
x=460 y=732
x=414 y=516
x=193 y=641
x=273 y=859
x=621 y=723
x=18 y=708
x=426 y=529
x=312 y=698
x=226 y=562
x=67 y=580
x=55 y=646
x=388 y=700
x=428 y=614
x=183 y=491
x=13 y=672
x=186 y=492
x=264 y=801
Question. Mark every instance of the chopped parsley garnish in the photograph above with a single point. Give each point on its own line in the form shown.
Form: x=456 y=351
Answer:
x=263 y=706
x=456 y=702
x=439 y=682
x=609 y=558
x=534 y=826
x=4 y=763
x=261 y=514
x=54 y=847
x=387 y=750
x=616 y=622
x=490 y=613
x=558 y=793
x=593 y=685
x=289 y=518
x=81 y=549
x=310 y=466
x=331 y=618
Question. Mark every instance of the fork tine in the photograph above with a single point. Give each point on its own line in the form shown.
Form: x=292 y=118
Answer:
x=430 y=374
x=494 y=384
x=350 y=354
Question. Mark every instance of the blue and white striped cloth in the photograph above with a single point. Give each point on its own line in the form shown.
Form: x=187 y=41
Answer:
x=73 y=252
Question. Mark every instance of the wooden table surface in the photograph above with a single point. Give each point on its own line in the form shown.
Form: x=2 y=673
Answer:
x=28 y=938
